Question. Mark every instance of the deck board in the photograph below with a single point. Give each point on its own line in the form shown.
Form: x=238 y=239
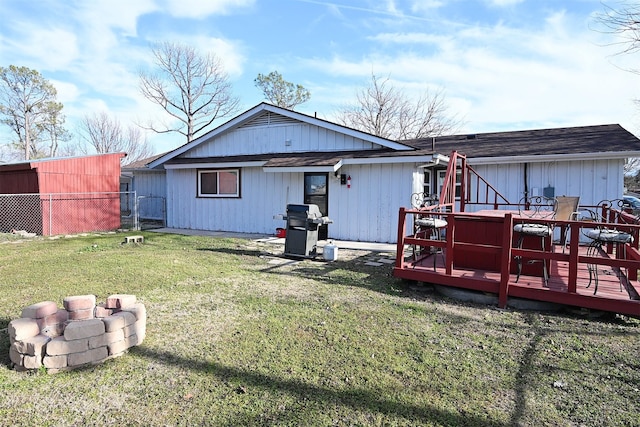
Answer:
x=609 y=296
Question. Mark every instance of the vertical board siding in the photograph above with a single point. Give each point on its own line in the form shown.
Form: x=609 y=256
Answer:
x=368 y=211
x=263 y=196
x=150 y=184
x=592 y=180
x=271 y=139
x=54 y=179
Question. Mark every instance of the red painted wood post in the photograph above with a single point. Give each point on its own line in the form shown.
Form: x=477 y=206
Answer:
x=505 y=262
x=574 y=242
x=448 y=255
x=402 y=217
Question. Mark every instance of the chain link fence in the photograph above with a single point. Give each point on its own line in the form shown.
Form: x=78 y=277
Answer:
x=152 y=211
x=68 y=213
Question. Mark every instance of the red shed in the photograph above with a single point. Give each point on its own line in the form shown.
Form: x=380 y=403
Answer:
x=61 y=195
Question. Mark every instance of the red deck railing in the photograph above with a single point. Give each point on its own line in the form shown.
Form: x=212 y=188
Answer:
x=477 y=250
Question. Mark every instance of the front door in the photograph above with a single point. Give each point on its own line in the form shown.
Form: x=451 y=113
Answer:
x=316 y=192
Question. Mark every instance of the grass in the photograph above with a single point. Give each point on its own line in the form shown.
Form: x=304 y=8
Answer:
x=237 y=337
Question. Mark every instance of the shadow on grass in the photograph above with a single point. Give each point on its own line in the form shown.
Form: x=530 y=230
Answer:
x=376 y=278
x=359 y=399
x=4 y=342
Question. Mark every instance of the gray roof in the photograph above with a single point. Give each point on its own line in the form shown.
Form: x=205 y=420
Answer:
x=582 y=140
x=568 y=140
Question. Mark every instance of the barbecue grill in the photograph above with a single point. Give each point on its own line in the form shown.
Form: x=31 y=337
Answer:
x=303 y=222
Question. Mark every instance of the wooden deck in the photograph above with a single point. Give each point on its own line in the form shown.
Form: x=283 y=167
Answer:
x=618 y=287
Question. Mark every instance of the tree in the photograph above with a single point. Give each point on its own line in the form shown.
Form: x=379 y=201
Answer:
x=623 y=22
x=28 y=106
x=53 y=126
x=106 y=135
x=383 y=110
x=281 y=92
x=193 y=89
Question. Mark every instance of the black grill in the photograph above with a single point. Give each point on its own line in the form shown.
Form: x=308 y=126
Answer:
x=302 y=230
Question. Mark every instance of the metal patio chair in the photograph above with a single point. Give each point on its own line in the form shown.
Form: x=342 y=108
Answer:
x=428 y=223
x=606 y=232
x=561 y=208
x=535 y=207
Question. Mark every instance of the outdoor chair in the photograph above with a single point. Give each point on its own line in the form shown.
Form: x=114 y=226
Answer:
x=562 y=208
x=427 y=223
x=534 y=208
x=606 y=232
x=566 y=209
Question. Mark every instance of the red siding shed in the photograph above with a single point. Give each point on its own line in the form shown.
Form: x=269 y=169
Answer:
x=75 y=194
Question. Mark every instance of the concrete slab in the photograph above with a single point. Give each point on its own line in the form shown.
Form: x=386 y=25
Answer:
x=341 y=244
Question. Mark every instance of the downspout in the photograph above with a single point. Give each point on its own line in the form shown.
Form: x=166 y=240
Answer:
x=526 y=185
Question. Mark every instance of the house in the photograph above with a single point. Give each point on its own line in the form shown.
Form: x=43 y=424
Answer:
x=241 y=175
x=61 y=195
x=149 y=187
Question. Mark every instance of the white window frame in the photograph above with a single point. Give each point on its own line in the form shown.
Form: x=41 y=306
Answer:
x=428 y=183
x=442 y=173
x=217 y=194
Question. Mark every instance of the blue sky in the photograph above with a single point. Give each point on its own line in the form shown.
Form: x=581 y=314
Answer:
x=501 y=64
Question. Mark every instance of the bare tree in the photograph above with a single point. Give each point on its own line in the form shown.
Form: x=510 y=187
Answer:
x=383 y=110
x=28 y=105
x=624 y=23
x=193 y=89
x=280 y=92
x=106 y=135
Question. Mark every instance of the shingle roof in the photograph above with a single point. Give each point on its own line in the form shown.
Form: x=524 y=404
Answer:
x=558 y=141
x=568 y=140
x=142 y=163
x=325 y=158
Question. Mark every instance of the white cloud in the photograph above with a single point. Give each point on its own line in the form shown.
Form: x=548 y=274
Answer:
x=503 y=3
x=54 y=48
x=202 y=9
x=503 y=77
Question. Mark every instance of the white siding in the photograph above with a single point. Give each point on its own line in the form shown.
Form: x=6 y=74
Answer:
x=368 y=211
x=263 y=196
x=302 y=137
x=592 y=180
x=150 y=183
x=151 y=191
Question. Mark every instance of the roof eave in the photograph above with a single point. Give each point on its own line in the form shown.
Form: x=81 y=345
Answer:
x=554 y=157
x=249 y=114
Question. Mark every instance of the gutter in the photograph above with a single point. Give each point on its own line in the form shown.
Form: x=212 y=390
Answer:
x=553 y=157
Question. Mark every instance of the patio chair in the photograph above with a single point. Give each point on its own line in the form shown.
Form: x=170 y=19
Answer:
x=427 y=223
x=539 y=208
x=566 y=209
x=606 y=232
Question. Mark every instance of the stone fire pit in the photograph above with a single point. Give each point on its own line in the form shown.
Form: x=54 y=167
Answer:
x=80 y=334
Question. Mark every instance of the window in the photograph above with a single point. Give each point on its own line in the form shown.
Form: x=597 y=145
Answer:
x=442 y=175
x=219 y=183
x=427 y=182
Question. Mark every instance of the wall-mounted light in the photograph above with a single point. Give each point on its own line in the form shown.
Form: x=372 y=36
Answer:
x=287 y=142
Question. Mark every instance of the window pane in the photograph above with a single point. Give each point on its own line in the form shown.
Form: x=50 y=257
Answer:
x=209 y=183
x=228 y=182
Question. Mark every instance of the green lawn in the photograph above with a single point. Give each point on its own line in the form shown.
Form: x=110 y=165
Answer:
x=236 y=339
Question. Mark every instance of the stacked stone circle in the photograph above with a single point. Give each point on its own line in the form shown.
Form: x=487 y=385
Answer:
x=81 y=334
